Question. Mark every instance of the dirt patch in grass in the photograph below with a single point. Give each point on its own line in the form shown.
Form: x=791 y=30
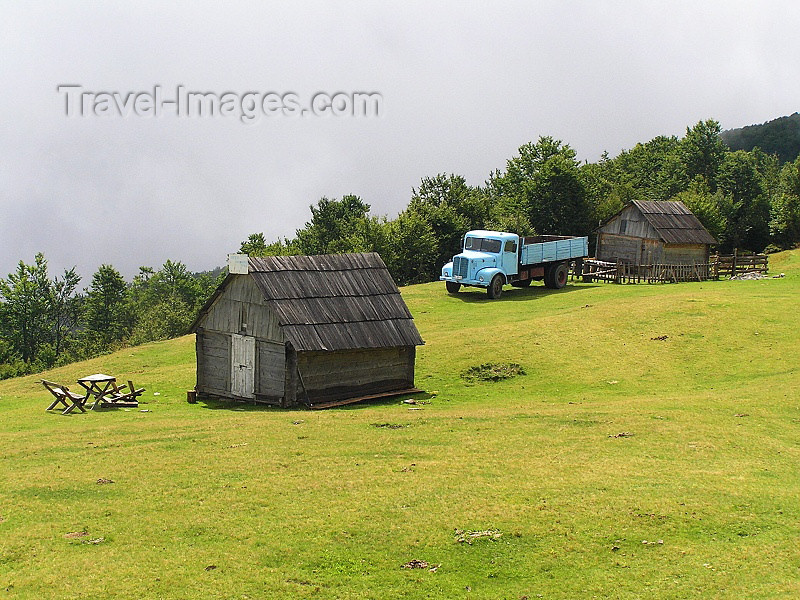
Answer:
x=75 y=534
x=389 y=425
x=420 y=564
x=492 y=372
x=469 y=537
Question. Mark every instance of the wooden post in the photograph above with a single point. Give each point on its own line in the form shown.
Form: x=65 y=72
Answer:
x=733 y=264
x=412 y=357
x=191 y=396
x=290 y=391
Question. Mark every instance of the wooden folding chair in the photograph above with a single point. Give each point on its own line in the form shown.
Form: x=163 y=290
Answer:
x=133 y=392
x=69 y=399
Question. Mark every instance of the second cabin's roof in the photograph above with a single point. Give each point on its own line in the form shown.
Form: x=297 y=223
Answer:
x=674 y=223
x=335 y=301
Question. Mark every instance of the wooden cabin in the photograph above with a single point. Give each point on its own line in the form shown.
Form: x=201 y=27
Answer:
x=313 y=330
x=648 y=233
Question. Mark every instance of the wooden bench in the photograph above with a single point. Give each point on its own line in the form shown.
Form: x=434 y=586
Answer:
x=64 y=396
x=123 y=399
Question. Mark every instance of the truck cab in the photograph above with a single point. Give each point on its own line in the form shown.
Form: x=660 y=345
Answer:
x=488 y=259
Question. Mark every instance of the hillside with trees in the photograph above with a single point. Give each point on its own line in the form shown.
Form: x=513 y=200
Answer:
x=780 y=136
x=747 y=198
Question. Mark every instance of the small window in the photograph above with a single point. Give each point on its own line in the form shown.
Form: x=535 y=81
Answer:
x=623 y=225
x=243 y=318
x=511 y=246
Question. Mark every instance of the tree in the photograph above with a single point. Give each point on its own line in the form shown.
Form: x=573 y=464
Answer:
x=785 y=208
x=544 y=182
x=108 y=314
x=332 y=221
x=256 y=245
x=370 y=234
x=64 y=308
x=26 y=308
x=709 y=208
x=451 y=208
x=165 y=302
x=748 y=214
x=703 y=151
x=413 y=259
x=654 y=169
x=452 y=190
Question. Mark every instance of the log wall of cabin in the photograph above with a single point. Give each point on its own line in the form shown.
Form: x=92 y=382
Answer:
x=347 y=373
x=629 y=249
x=685 y=254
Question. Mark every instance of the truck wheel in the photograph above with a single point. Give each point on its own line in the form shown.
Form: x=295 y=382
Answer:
x=559 y=276
x=495 y=287
x=452 y=287
x=548 y=276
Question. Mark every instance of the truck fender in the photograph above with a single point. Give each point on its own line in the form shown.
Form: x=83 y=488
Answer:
x=447 y=270
x=488 y=273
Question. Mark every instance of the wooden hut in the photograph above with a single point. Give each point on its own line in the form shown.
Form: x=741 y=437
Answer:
x=648 y=233
x=314 y=330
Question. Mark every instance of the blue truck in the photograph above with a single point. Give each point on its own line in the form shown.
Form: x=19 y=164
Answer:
x=492 y=259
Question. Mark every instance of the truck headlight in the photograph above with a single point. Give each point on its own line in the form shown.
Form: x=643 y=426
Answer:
x=480 y=278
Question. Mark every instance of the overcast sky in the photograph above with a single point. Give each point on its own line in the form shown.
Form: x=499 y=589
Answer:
x=463 y=85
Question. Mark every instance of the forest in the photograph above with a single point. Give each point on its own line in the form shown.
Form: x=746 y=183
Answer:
x=749 y=199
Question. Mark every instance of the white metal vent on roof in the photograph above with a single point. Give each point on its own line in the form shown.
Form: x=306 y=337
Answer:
x=237 y=264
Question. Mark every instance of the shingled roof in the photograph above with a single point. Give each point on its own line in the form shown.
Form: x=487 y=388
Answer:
x=674 y=223
x=334 y=302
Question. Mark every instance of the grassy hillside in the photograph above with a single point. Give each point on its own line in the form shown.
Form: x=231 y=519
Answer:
x=651 y=449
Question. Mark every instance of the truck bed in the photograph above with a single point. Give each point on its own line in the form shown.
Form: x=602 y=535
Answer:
x=552 y=248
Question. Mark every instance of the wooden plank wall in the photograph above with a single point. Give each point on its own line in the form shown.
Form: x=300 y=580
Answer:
x=358 y=372
x=271 y=374
x=227 y=315
x=684 y=254
x=624 y=247
x=635 y=225
x=213 y=363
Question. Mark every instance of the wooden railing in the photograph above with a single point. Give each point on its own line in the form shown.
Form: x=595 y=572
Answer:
x=731 y=265
x=622 y=272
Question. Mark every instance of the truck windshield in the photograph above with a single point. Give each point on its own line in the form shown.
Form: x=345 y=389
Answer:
x=482 y=244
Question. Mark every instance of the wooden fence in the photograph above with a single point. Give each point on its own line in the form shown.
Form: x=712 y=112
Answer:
x=621 y=272
x=733 y=264
x=718 y=266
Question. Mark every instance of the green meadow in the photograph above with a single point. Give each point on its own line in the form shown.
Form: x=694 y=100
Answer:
x=650 y=449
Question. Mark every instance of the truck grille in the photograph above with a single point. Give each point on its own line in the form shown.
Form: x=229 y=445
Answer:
x=460 y=267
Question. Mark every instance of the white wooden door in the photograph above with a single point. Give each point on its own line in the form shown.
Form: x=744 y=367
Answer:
x=243 y=362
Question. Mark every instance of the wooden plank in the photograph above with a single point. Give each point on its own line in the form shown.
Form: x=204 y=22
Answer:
x=321 y=405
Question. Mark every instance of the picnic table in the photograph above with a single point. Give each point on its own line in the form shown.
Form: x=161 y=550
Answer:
x=101 y=386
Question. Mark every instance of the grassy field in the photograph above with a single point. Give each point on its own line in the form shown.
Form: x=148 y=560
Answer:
x=651 y=449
